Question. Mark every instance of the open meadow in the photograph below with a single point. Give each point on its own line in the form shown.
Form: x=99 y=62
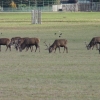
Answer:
x=51 y=76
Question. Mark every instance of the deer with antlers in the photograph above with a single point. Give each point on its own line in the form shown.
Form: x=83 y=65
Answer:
x=57 y=44
x=94 y=41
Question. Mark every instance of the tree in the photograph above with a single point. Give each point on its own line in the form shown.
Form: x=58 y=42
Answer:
x=13 y=4
x=6 y=3
x=95 y=0
x=72 y=1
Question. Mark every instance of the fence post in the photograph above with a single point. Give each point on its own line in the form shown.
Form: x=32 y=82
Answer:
x=36 y=17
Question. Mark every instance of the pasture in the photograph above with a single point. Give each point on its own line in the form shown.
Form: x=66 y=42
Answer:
x=57 y=76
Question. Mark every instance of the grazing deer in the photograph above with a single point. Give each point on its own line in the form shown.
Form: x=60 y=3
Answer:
x=28 y=43
x=94 y=41
x=57 y=44
x=13 y=41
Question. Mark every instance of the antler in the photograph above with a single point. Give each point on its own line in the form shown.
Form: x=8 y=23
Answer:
x=46 y=45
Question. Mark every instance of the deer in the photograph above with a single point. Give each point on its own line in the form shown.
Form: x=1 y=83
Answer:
x=13 y=41
x=57 y=44
x=6 y=42
x=28 y=43
x=94 y=42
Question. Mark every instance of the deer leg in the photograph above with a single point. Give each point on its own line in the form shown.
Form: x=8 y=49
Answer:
x=20 y=50
x=92 y=47
x=99 y=47
x=66 y=50
x=36 y=49
x=99 y=50
x=55 y=50
x=16 y=48
x=27 y=48
x=96 y=46
x=10 y=48
x=31 y=48
x=6 y=48
x=59 y=49
x=0 y=47
x=39 y=48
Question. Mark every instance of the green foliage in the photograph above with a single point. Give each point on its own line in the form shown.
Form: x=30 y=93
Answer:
x=95 y=0
x=6 y=3
x=21 y=5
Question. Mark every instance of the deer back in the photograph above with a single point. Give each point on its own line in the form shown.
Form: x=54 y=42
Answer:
x=13 y=39
x=4 y=41
x=59 y=42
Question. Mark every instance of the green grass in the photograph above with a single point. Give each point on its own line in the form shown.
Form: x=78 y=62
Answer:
x=55 y=76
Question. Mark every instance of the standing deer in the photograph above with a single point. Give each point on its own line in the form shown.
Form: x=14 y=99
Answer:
x=57 y=44
x=94 y=41
x=5 y=41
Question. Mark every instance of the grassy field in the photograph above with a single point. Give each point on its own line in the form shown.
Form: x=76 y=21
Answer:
x=57 y=76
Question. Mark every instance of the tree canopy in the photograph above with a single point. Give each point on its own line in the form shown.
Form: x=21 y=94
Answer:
x=15 y=3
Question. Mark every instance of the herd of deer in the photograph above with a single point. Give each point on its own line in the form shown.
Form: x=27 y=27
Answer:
x=28 y=43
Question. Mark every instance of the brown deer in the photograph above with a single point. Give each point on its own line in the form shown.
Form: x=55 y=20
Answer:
x=28 y=43
x=5 y=41
x=94 y=42
x=57 y=44
x=13 y=41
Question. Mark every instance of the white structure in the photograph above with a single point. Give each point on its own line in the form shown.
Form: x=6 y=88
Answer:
x=36 y=17
x=56 y=7
x=65 y=7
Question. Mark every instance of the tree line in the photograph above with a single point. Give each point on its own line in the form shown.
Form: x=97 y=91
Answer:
x=9 y=3
x=15 y=3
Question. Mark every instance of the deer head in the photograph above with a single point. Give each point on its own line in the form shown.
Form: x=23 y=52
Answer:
x=49 y=48
x=87 y=46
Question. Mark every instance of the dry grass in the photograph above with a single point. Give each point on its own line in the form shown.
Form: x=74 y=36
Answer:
x=44 y=76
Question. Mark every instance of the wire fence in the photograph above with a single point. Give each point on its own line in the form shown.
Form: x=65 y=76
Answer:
x=26 y=9
x=26 y=6
x=48 y=7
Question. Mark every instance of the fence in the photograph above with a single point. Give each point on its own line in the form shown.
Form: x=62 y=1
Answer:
x=70 y=7
x=95 y=6
x=48 y=7
x=26 y=9
x=27 y=5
